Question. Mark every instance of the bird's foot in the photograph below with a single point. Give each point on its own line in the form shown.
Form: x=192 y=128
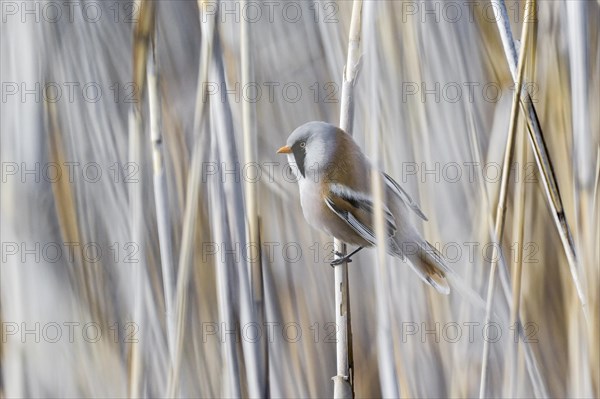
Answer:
x=341 y=259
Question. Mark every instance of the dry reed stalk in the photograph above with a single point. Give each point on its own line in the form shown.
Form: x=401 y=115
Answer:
x=232 y=375
x=343 y=386
x=583 y=151
x=192 y=195
x=385 y=344
x=65 y=202
x=501 y=207
x=250 y=153
x=520 y=198
x=160 y=194
x=251 y=187
x=540 y=151
x=511 y=368
x=583 y=184
x=141 y=37
x=531 y=362
x=137 y=225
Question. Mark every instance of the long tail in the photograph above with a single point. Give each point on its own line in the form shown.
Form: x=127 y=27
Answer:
x=430 y=266
x=426 y=261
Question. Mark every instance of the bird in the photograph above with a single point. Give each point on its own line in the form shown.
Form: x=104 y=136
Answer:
x=334 y=180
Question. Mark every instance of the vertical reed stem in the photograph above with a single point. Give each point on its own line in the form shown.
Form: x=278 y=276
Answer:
x=385 y=344
x=192 y=195
x=343 y=386
x=160 y=194
x=251 y=186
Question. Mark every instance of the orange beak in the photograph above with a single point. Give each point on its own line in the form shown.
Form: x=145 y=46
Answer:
x=284 y=150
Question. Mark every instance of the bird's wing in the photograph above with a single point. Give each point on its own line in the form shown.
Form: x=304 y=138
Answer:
x=356 y=209
x=400 y=193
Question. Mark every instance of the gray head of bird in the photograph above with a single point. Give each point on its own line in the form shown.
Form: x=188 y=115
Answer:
x=311 y=147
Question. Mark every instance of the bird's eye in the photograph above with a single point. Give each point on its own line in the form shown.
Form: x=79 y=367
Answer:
x=302 y=144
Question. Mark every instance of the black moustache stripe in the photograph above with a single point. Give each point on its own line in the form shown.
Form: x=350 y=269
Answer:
x=299 y=156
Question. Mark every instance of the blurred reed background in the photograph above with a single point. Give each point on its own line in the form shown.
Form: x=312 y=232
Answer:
x=125 y=188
